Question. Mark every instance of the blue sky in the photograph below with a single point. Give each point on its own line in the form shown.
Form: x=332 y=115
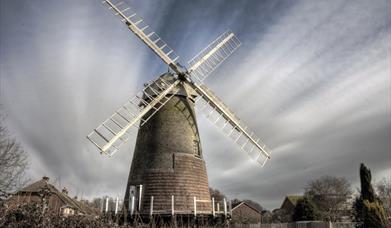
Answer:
x=312 y=79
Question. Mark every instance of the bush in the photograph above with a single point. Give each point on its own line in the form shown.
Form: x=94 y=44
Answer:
x=305 y=210
x=31 y=215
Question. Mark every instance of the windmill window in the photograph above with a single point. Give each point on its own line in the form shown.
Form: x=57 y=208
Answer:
x=196 y=148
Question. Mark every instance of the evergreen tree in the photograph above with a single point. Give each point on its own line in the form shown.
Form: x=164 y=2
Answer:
x=367 y=192
x=305 y=210
x=368 y=208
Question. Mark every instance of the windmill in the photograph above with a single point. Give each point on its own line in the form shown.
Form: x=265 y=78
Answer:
x=167 y=160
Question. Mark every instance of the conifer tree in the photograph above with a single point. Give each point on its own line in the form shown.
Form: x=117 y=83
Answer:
x=369 y=211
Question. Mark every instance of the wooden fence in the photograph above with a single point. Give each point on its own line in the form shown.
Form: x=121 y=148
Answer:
x=297 y=225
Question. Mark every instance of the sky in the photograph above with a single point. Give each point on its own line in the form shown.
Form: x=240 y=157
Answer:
x=312 y=79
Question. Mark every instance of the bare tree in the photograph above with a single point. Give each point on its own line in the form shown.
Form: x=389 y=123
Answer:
x=217 y=195
x=13 y=162
x=331 y=195
x=383 y=189
x=98 y=203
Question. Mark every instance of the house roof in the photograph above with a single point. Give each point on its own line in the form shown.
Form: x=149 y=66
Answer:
x=292 y=199
x=44 y=185
x=236 y=205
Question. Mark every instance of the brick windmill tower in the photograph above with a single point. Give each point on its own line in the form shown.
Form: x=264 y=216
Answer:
x=168 y=171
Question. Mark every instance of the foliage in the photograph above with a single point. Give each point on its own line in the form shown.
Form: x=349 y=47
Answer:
x=305 y=210
x=217 y=194
x=358 y=214
x=383 y=189
x=267 y=217
x=374 y=215
x=330 y=195
x=13 y=162
x=367 y=192
x=33 y=215
x=369 y=211
x=280 y=216
x=254 y=204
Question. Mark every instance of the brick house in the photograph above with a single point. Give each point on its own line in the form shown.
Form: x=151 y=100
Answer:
x=244 y=213
x=43 y=192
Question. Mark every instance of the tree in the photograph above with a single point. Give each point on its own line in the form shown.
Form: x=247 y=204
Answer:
x=253 y=204
x=100 y=203
x=383 y=190
x=369 y=211
x=305 y=210
x=280 y=216
x=13 y=162
x=217 y=195
x=367 y=192
x=330 y=195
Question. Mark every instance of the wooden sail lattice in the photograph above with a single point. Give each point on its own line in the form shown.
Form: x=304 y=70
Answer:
x=115 y=130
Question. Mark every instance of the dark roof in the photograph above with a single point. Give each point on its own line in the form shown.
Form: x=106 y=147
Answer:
x=43 y=184
x=292 y=199
x=236 y=205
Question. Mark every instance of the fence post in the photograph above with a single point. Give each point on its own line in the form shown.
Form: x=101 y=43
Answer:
x=116 y=205
x=195 y=206
x=132 y=207
x=213 y=207
x=139 y=197
x=107 y=204
x=172 y=205
x=151 y=210
x=225 y=207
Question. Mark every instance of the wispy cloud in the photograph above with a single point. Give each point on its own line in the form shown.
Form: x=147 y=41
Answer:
x=311 y=78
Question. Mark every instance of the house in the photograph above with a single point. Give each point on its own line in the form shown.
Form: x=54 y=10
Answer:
x=243 y=213
x=288 y=207
x=43 y=192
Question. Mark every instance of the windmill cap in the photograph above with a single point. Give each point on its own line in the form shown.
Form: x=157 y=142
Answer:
x=183 y=88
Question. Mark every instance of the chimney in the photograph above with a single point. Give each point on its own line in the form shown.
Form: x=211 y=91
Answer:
x=65 y=191
x=45 y=178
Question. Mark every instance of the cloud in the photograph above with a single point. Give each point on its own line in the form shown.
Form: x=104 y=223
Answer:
x=311 y=78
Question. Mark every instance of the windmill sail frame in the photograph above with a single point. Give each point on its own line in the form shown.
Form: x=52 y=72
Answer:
x=212 y=56
x=143 y=31
x=114 y=131
x=224 y=119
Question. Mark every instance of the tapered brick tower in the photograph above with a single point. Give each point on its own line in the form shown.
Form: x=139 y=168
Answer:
x=168 y=159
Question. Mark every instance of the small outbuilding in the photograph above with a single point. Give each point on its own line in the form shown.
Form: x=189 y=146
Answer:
x=243 y=213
